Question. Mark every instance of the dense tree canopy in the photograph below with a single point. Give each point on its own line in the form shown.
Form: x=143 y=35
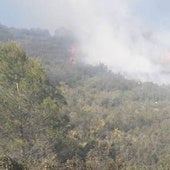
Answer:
x=109 y=122
x=29 y=104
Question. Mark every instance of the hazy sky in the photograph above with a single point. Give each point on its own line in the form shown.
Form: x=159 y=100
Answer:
x=129 y=36
x=32 y=13
x=154 y=13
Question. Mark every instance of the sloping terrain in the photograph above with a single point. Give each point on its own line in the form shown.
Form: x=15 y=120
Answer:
x=109 y=122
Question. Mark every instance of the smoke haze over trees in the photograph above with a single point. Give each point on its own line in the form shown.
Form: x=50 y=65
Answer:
x=109 y=32
x=88 y=89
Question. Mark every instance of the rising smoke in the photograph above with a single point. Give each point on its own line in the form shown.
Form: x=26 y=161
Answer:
x=108 y=33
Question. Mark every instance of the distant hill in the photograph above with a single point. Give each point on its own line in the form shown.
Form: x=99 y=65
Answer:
x=38 y=42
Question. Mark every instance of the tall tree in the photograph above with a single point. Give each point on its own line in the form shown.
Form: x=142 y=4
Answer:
x=29 y=105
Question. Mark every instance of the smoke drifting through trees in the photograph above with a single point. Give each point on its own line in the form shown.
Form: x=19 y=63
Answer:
x=108 y=33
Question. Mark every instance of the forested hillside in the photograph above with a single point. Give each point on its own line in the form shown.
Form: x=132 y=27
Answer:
x=72 y=116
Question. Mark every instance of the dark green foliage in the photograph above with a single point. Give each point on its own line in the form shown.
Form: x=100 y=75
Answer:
x=65 y=149
x=29 y=105
x=7 y=163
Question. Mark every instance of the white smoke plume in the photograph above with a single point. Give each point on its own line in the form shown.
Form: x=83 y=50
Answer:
x=108 y=33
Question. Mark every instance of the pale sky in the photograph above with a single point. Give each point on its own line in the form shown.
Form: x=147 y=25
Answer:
x=154 y=13
x=33 y=13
